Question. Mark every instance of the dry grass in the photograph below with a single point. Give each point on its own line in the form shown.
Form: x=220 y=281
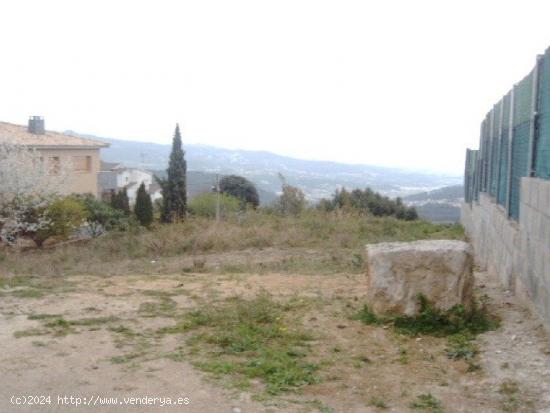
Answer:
x=133 y=251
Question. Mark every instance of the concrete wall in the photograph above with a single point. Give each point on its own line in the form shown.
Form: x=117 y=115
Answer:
x=78 y=182
x=518 y=253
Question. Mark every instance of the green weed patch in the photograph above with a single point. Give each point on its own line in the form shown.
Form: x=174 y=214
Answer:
x=255 y=339
x=459 y=326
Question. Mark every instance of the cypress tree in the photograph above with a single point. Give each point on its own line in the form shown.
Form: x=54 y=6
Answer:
x=174 y=188
x=124 y=202
x=144 y=206
x=115 y=200
x=166 y=205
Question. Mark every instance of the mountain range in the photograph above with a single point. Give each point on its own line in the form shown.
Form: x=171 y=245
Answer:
x=318 y=179
x=449 y=194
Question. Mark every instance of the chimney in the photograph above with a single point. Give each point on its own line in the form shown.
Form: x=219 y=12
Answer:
x=36 y=125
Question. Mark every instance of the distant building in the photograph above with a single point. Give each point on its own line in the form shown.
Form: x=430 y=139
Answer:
x=115 y=176
x=78 y=156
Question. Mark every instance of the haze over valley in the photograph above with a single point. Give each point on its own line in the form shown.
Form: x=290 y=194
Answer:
x=318 y=179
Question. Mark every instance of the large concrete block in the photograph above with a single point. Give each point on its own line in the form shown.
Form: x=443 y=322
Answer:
x=399 y=271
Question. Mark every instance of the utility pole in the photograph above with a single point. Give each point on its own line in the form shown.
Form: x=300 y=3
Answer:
x=217 y=198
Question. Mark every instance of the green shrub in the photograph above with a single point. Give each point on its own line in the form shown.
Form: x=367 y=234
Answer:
x=459 y=326
x=63 y=215
x=461 y=346
x=204 y=205
x=120 y=201
x=367 y=316
x=101 y=216
x=435 y=322
x=427 y=402
x=292 y=201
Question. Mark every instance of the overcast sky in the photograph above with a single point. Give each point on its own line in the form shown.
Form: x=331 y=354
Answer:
x=394 y=83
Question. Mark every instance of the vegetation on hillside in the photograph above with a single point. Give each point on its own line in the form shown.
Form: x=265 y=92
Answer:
x=41 y=214
x=453 y=192
x=240 y=188
x=336 y=239
x=439 y=212
x=209 y=203
x=368 y=201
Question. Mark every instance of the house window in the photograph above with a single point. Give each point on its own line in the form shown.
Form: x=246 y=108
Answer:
x=82 y=163
x=54 y=165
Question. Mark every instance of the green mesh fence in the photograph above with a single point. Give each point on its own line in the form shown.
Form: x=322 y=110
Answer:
x=520 y=146
x=488 y=150
x=495 y=143
x=520 y=140
x=522 y=100
x=502 y=192
x=484 y=158
x=542 y=155
x=507 y=140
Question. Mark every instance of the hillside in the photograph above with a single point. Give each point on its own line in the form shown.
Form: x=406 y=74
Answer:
x=199 y=182
x=448 y=193
x=439 y=205
x=317 y=179
x=439 y=212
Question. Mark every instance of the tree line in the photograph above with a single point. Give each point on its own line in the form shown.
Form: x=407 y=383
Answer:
x=31 y=207
x=369 y=201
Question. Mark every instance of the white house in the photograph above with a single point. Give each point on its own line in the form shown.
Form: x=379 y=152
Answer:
x=115 y=176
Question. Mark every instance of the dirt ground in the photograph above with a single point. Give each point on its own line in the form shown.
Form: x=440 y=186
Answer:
x=365 y=368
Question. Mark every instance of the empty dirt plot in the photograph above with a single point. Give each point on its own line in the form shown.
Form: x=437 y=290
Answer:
x=254 y=342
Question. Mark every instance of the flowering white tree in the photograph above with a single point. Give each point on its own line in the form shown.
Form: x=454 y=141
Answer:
x=27 y=185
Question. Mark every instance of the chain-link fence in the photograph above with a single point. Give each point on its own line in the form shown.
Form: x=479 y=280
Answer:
x=514 y=141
